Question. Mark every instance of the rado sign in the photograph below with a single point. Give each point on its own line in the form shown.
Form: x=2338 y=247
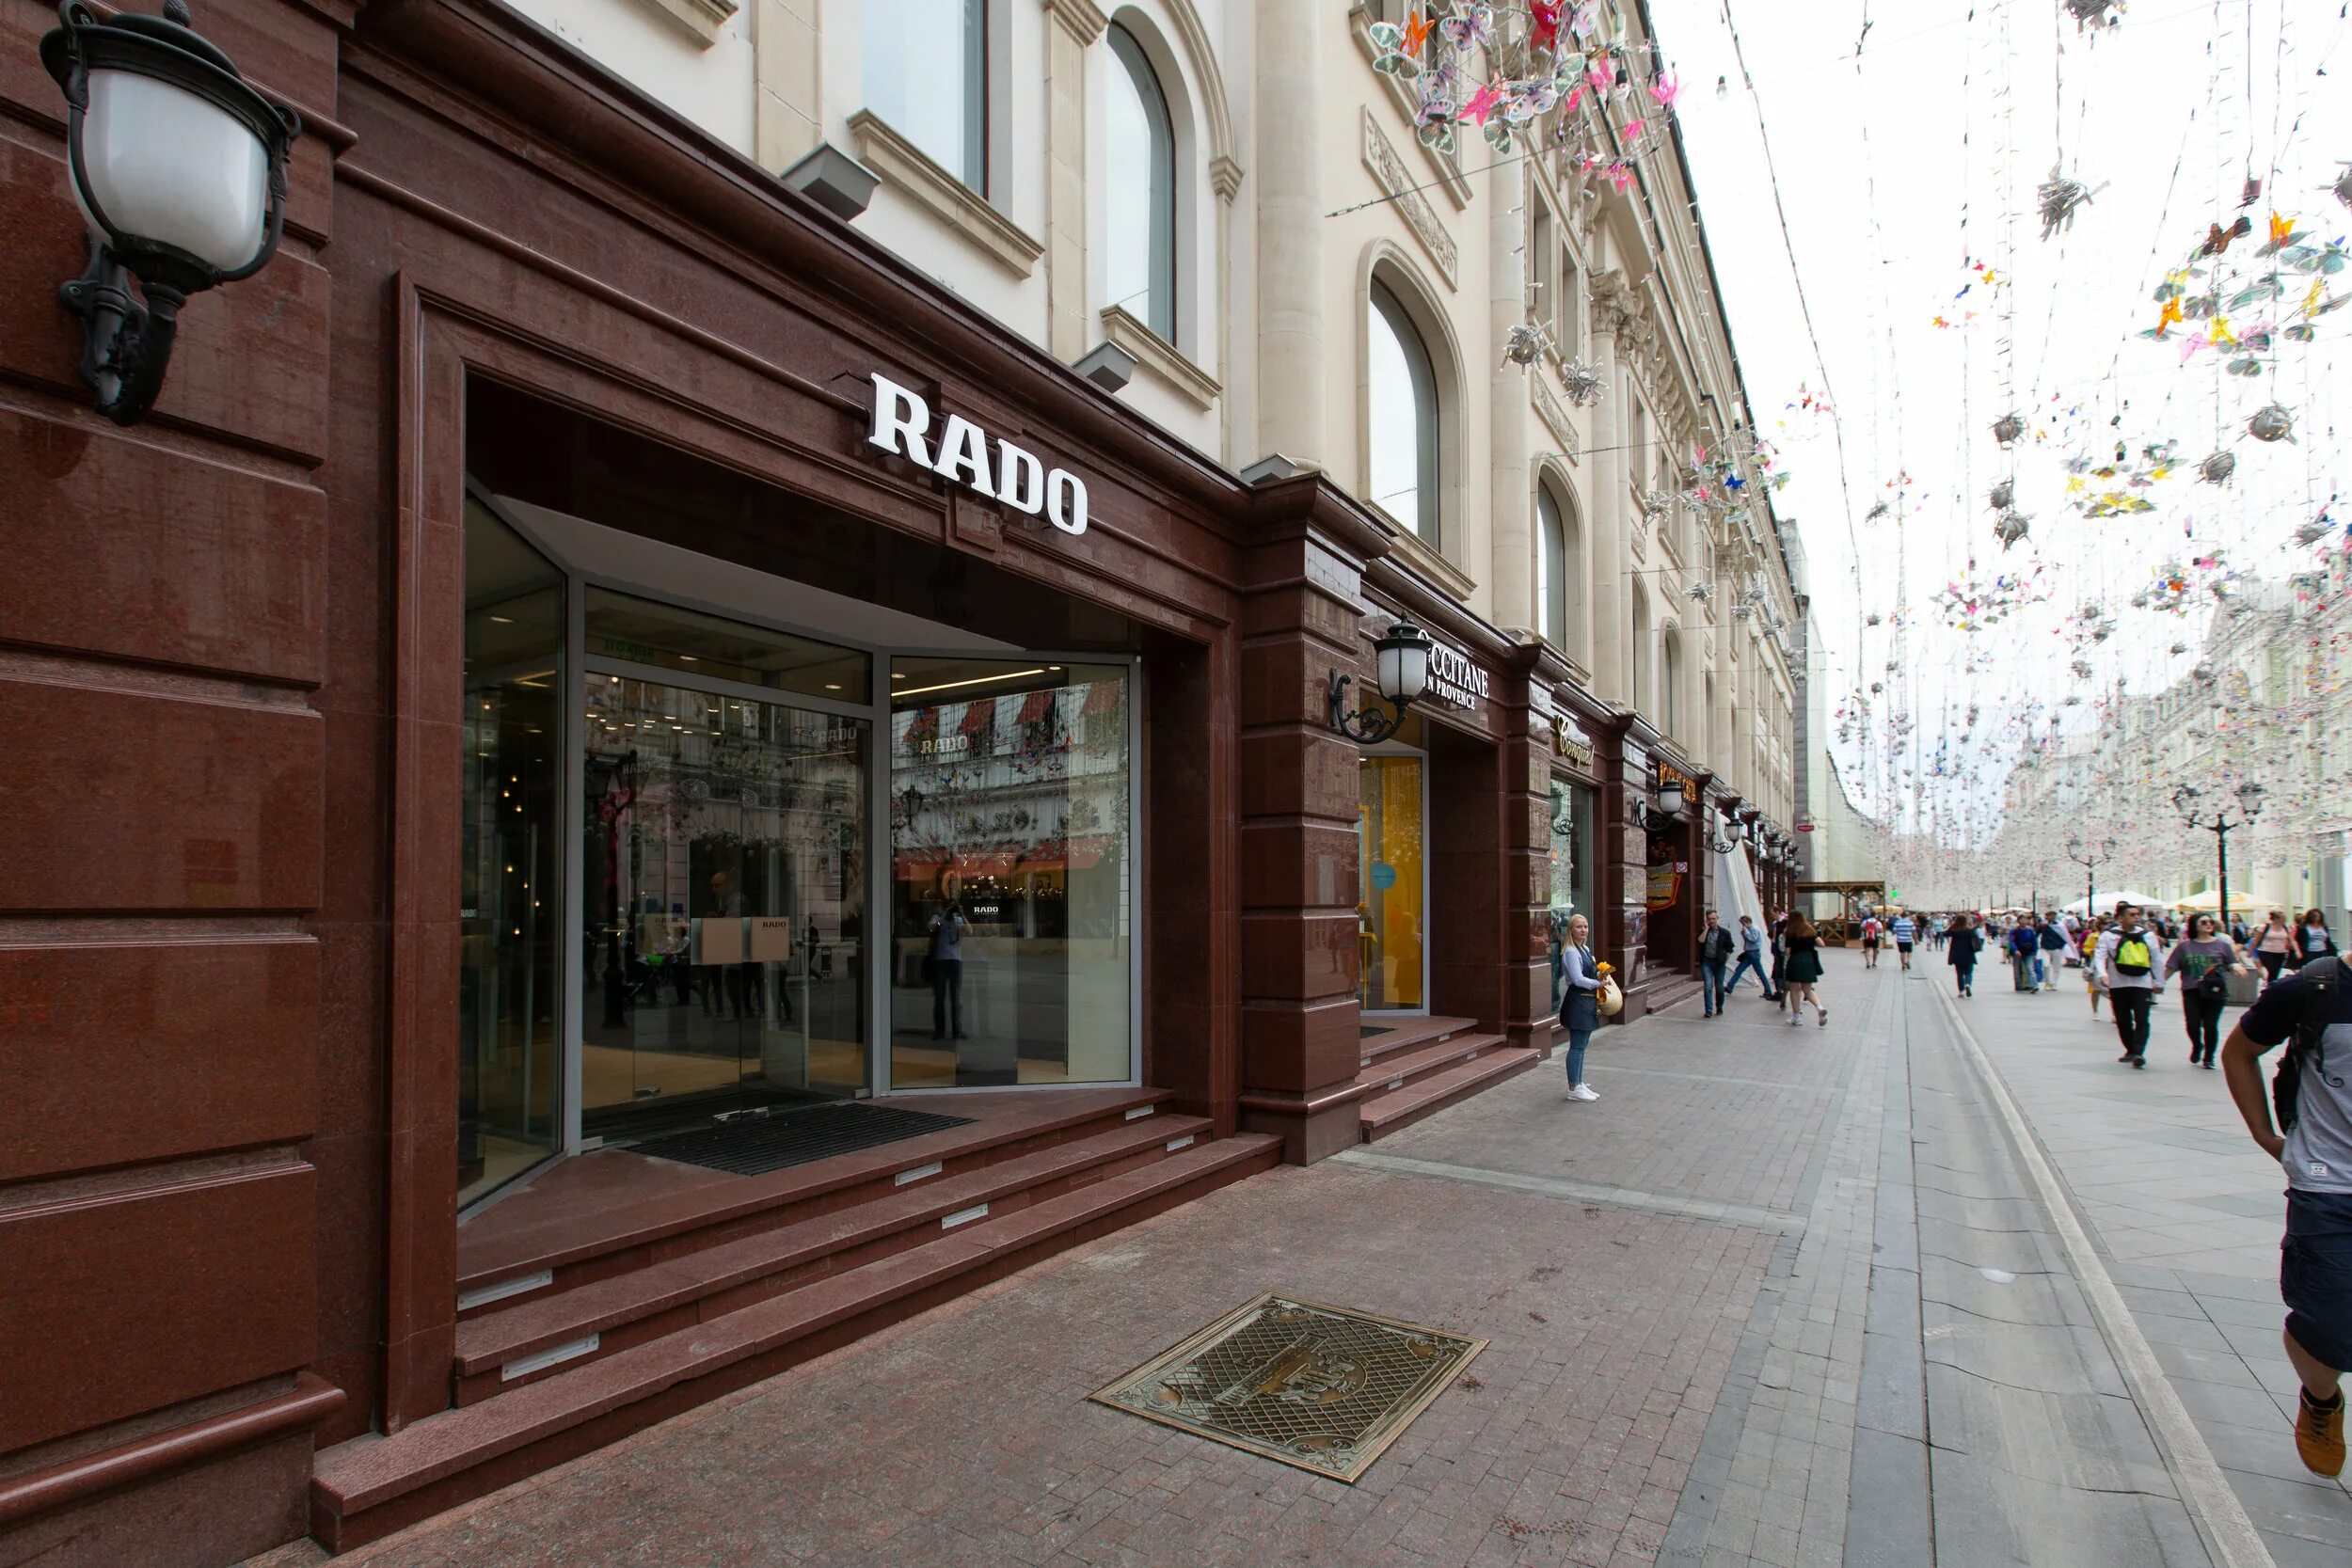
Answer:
x=999 y=470
x=1453 y=679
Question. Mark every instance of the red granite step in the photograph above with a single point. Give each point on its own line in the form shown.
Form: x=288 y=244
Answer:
x=1398 y=1069
x=365 y=1488
x=1383 y=1114
x=603 y=1317
x=1411 y=1032
x=617 y=1211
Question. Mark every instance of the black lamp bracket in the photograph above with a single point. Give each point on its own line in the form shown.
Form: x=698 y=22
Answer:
x=1368 y=726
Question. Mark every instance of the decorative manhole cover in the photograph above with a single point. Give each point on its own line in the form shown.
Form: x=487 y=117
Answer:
x=1320 y=1387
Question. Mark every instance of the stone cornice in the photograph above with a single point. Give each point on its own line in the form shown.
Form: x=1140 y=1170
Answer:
x=1082 y=19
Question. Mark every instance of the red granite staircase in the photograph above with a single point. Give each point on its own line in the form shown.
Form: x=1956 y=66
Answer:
x=1422 y=1066
x=567 y=1341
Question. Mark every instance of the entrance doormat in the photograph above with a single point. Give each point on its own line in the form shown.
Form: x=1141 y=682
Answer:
x=756 y=1144
x=1322 y=1387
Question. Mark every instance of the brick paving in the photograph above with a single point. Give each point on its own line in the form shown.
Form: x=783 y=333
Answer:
x=1783 y=1296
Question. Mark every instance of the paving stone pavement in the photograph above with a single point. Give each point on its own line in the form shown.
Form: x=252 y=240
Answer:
x=1782 y=1296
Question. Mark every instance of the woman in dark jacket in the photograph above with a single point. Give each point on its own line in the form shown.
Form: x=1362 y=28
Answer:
x=1579 y=1001
x=1801 y=969
x=1963 y=944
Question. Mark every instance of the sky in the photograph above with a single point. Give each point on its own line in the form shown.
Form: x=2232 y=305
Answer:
x=1905 y=168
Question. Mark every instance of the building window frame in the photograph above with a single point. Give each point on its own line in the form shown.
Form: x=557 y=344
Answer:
x=1162 y=309
x=1389 y=314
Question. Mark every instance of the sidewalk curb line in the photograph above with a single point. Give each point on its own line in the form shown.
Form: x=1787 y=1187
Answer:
x=2213 y=1504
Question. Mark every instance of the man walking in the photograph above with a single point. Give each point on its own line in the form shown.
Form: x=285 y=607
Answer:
x=1871 y=931
x=2313 y=1005
x=2127 y=971
x=1714 y=957
x=2052 y=951
x=1751 y=958
x=1905 y=933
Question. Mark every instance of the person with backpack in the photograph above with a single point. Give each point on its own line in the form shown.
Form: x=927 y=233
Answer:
x=2025 y=949
x=1714 y=957
x=1905 y=931
x=2127 y=971
x=2052 y=951
x=2203 y=963
x=2312 y=1142
x=1963 y=943
x=2088 y=947
x=1871 y=931
x=1579 y=1001
x=2273 y=945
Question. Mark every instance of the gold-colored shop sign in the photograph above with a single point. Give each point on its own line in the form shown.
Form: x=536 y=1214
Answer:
x=1669 y=774
x=1570 y=741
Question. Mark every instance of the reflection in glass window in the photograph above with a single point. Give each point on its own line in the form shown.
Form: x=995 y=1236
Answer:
x=641 y=631
x=509 y=1058
x=1013 y=959
x=1404 y=392
x=726 y=901
x=925 y=64
x=1139 y=216
x=1391 y=885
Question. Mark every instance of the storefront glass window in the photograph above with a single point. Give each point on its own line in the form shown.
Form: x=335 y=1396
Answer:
x=1572 y=809
x=1390 y=884
x=724 y=899
x=1011 y=873
x=509 y=1053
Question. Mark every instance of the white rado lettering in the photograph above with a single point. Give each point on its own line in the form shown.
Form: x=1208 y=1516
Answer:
x=1453 y=679
x=902 y=425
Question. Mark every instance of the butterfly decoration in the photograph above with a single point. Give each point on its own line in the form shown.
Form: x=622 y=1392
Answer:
x=2282 y=234
x=1543 y=24
x=2217 y=239
x=1667 y=89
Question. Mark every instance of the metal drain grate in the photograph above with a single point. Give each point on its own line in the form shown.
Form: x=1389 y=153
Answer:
x=756 y=1145
x=1320 y=1387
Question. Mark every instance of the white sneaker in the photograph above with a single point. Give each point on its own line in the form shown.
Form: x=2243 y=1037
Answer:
x=1582 y=1091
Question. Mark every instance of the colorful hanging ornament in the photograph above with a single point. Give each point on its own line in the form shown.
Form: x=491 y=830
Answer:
x=2271 y=424
x=2093 y=16
x=2003 y=494
x=2217 y=469
x=2013 y=527
x=2008 y=429
x=2342 y=187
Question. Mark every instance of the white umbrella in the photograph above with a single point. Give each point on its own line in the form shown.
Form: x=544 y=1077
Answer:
x=2108 y=900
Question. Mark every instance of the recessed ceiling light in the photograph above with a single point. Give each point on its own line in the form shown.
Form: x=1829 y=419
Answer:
x=502 y=620
x=688 y=659
x=832 y=686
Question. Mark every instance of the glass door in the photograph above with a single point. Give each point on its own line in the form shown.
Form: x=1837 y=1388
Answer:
x=509 y=1048
x=1011 y=875
x=1393 y=882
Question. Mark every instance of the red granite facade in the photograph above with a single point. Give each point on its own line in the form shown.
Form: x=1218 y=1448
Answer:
x=230 y=665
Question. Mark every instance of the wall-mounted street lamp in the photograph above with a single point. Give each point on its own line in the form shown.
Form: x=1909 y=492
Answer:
x=180 y=168
x=1729 y=837
x=1401 y=668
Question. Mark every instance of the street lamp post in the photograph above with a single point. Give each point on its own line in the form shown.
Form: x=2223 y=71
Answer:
x=2218 y=822
x=2089 y=860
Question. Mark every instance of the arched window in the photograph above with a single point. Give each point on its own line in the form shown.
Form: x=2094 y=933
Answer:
x=1670 y=685
x=1140 y=203
x=926 y=74
x=1640 y=695
x=1403 y=391
x=1552 y=589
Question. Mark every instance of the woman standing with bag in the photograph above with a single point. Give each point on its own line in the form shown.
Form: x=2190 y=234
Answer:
x=2312 y=939
x=2200 y=960
x=2273 y=945
x=1580 y=1001
x=1803 y=969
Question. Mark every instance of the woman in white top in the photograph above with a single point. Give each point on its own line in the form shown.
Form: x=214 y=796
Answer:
x=2273 y=945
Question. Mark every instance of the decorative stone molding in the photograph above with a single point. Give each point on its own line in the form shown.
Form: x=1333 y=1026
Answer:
x=1555 y=417
x=1417 y=553
x=1224 y=177
x=1086 y=21
x=907 y=169
x=1390 y=173
x=701 y=20
x=1160 y=356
